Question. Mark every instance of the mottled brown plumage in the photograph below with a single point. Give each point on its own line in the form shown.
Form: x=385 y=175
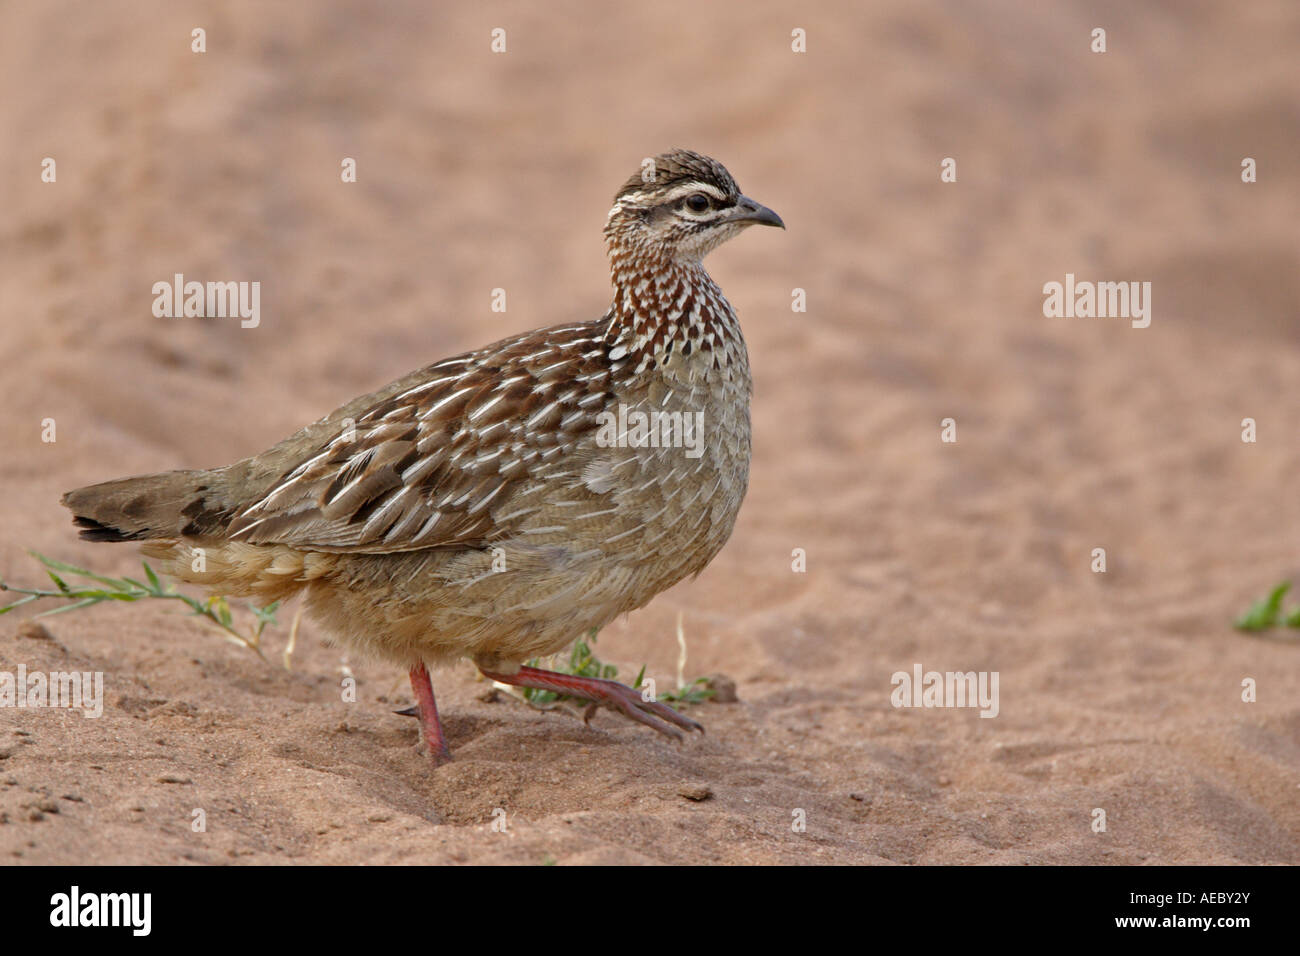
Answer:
x=498 y=504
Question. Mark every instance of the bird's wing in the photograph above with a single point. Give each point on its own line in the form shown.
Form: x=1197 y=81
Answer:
x=436 y=462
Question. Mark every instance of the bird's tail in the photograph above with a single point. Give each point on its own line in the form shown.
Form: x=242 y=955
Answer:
x=141 y=508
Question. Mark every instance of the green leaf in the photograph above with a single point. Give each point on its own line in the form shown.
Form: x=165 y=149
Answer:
x=692 y=693
x=19 y=603
x=1263 y=614
x=266 y=614
x=198 y=607
x=69 y=607
x=115 y=583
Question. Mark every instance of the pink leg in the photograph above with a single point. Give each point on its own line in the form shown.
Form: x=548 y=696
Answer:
x=422 y=686
x=610 y=693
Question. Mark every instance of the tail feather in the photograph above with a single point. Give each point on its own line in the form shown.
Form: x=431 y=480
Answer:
x=165 y=505
x=92 y=530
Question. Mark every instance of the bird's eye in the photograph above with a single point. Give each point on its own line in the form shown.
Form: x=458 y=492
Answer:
x=697 y=202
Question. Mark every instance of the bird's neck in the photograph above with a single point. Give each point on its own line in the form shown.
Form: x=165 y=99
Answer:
x=663 y=305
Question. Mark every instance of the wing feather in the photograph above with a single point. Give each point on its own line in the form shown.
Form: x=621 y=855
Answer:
x=430 y=461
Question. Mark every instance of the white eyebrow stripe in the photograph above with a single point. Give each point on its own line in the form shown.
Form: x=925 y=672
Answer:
x=677 y=192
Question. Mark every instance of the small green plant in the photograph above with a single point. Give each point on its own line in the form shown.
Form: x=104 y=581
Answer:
x=696 y=692
x=1266 y=613
x=215 y=610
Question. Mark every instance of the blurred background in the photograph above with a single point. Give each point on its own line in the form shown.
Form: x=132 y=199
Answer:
x=479 y=170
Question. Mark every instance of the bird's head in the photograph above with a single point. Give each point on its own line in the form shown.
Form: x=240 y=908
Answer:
x=680 y=206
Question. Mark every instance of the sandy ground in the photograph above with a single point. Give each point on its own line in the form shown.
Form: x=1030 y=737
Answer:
x=1119 y=691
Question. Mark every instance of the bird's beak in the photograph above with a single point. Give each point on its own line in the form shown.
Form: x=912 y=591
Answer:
x=748 y=211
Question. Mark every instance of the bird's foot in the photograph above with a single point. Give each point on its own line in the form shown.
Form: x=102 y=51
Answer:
x=427 y=707
x=600 y=692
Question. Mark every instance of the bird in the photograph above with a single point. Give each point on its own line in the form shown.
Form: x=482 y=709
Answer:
x=497 y=504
